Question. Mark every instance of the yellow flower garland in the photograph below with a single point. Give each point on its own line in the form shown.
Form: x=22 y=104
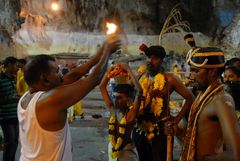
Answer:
x=121 y=130
x=156 y=106
x=148 y=85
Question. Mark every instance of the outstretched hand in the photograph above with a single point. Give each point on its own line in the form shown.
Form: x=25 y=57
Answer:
x=113 y=45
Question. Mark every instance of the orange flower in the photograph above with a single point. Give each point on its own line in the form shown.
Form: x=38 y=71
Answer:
x=117 y=71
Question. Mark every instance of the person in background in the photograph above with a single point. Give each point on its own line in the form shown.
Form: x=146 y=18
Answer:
x=175 y=70
x=233 y=62
x=182 y=73
x=21 y=84
x=123 y=109
x=232 y=85
x=189 y=40
x=112 y=83
x=1 y=67
x=78 y=110
x=8 y=108
x=231 y=73
x=1 y=137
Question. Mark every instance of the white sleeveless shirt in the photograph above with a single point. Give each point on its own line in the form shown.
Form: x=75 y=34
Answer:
x=38 y=144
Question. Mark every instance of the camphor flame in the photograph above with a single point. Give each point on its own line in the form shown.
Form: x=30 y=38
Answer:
x=111 y=28
x=55 y=6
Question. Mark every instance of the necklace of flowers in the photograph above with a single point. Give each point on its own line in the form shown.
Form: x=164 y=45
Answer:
x=148 y=86
x=116 y=142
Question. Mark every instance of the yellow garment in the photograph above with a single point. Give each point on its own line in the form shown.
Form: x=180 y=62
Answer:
x=175 y=71
x=70 y=112
x=2 y=69
x=21 y=84
x=142 y=69
x=78 y=108
x=238 y=115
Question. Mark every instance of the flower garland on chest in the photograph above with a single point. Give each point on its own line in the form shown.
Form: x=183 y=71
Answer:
x=150 y=86
x=156 y=84
x=113 y=131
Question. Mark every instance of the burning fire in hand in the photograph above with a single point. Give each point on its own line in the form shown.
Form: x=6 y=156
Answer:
x=111 y=28
x=55 y=6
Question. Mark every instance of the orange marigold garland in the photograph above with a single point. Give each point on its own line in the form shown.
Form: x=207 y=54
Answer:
x=117 y=71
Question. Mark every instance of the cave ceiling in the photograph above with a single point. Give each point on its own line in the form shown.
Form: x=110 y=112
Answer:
x=217 y=20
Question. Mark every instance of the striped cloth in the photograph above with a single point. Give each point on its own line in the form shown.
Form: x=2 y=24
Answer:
x=8 y=110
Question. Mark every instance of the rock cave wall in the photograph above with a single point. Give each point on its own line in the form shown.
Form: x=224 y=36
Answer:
x=79 y=26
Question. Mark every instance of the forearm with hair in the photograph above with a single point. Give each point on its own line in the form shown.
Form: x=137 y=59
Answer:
x=103 y=89
x=101 y=67
x=132 y=114
x=135 y=82
x=137 y=101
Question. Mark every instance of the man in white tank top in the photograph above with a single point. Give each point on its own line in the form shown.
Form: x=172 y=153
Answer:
x=42 y=111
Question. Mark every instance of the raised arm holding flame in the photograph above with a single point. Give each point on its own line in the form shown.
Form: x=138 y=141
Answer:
x=113 y=32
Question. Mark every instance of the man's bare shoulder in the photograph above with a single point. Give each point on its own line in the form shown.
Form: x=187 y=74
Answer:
x=224 y=99
x=167 y=74
x=170 y=77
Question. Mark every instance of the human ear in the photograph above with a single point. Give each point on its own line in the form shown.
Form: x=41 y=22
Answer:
x=129 y=102
x=44 y=78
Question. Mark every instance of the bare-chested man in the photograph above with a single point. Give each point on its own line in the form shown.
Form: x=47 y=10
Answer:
x=212 y=121
x=157 y=85
x=42 y=112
